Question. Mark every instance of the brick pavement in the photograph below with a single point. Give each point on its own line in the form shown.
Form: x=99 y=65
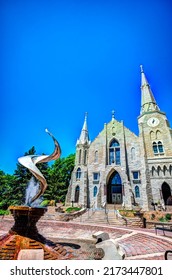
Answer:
x=145 y=246
x=136 y=243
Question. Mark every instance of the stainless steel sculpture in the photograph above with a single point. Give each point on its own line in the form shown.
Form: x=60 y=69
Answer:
x=30 y=162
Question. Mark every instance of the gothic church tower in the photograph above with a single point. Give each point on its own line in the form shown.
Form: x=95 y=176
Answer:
x=156 y=146
x=78 y=194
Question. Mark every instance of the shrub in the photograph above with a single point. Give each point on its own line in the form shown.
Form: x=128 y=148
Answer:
x=168 y=216
x=72 y=209
x=162 y=219
x=4 y=212
x=45 y=203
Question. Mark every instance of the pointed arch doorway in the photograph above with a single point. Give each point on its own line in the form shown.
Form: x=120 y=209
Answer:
x=77 y=190
x=114 y=189
x=166 y=192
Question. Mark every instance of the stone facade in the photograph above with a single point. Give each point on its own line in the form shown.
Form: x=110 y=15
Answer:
x=119 y=167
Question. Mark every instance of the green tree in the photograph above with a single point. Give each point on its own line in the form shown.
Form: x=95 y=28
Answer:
x=59 y=178
x=7 y=183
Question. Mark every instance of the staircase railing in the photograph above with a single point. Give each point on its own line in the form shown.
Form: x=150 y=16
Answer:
x=119 y=216
x=91 y=210
x=104 y=206
x=83 y=206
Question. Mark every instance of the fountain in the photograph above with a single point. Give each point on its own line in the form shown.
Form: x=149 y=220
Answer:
x=23 y=240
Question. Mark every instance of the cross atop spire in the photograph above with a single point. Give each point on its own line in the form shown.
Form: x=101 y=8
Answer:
x=113 y=114
x=141 y=68
x=148 y=102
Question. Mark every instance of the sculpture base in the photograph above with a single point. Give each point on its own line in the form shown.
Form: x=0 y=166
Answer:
x=25 y=218
x=24 y=235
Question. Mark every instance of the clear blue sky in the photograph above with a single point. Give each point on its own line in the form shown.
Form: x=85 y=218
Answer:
x=60 y=59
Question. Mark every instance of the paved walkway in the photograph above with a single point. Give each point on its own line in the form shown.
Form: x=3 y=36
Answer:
x=138 y=244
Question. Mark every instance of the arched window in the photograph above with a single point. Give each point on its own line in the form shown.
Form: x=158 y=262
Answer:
x=160 y=147
x=85 y=157
x=114 y=152
x=137 y=191
x=95 y=191
x=96 y=157
x=79 y=160
x=116 y=179
x=78 y=173
x=155 y=148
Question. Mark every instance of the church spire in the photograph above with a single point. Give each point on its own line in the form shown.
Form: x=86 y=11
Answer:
x=84 y=137
x=148 y=102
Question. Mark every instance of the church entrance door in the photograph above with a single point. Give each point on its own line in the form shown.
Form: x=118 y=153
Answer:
x=166 y=192
x=114 y=189
x=77 y=189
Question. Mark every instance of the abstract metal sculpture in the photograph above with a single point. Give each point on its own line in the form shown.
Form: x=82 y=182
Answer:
x=30 y=162
x=23 y=240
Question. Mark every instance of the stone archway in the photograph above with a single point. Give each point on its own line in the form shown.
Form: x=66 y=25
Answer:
x=114 y=189
x=166 y=192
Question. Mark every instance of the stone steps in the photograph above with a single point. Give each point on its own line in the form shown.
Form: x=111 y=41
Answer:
x=99 y=217
x=114 y=206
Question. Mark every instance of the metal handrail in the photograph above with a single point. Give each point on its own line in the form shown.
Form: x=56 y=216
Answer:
x=118 y=215
x=92 y=209
x=104 y=206
x=107 y=217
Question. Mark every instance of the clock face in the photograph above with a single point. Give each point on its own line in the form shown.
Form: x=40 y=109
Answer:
x=153 y=122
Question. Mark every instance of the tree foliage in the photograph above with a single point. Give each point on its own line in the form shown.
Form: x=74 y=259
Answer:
x=6 y=185
x=59 y=178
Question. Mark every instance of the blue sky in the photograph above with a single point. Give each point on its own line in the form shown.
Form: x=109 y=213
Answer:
x=60 y=59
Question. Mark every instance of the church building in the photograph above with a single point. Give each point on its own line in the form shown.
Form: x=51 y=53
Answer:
x=120 y=167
